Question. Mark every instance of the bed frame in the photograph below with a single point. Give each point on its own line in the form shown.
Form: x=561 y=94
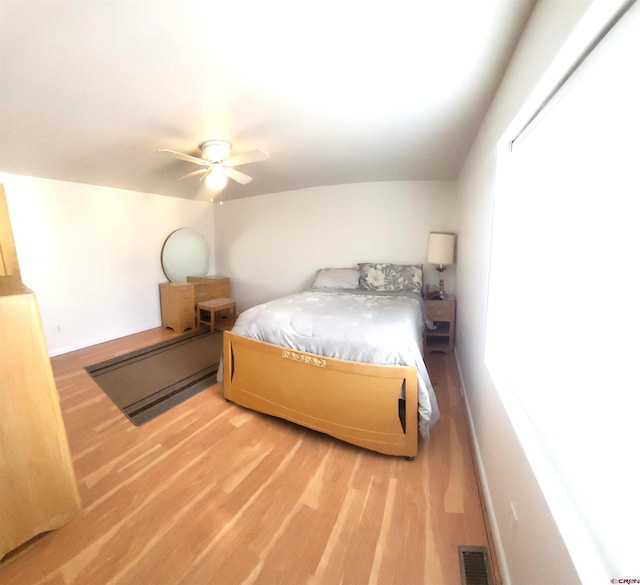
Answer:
x=356 y=402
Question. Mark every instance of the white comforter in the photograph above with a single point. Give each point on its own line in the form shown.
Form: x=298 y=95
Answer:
x=355 y=325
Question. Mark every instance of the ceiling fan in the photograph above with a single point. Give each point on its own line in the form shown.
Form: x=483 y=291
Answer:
x=216 y=166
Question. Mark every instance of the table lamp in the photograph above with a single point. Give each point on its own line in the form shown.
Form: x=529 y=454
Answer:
x=440 y=253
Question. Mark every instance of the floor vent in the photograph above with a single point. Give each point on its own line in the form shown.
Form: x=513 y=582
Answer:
x=474 y=565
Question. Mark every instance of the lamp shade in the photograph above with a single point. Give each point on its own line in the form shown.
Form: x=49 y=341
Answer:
x=441 y=248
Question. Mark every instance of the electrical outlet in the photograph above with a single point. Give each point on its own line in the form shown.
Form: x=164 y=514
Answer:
x=53 y=330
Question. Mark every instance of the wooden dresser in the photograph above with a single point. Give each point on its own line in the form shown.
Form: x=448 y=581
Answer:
x=38 y=489
x=177 y=306
x=210 y=287
x=179 y=300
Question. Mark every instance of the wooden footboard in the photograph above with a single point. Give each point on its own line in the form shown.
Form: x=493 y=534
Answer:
x=359 y=403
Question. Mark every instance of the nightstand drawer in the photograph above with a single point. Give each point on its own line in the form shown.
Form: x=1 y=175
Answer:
x=440 y=310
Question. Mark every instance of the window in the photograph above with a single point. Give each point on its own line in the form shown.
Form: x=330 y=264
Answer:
x=563 y=324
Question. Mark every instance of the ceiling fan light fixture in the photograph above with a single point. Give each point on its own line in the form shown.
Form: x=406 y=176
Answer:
x=215 y=150
x=215 y=166
x=215 y=179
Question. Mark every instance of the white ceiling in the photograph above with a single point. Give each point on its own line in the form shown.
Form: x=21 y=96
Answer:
x=336 y=92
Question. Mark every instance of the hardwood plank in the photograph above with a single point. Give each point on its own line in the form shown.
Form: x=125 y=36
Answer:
x=211 y=492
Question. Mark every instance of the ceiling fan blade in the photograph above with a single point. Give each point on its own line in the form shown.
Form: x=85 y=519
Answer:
x=185 y=157
x=246 y=157
x=237 y=176
x=192 y=173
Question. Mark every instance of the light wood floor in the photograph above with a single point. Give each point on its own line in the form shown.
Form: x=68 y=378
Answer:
x=209 y=493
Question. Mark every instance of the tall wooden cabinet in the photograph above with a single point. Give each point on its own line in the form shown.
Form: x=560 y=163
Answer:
x=38 y=489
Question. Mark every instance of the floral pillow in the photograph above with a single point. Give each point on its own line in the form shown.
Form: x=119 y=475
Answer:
x=391 y=277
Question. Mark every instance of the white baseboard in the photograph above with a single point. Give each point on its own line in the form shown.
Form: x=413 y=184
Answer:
x=486 y=495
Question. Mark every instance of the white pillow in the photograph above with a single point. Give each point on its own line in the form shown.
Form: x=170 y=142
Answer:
x=337 y=278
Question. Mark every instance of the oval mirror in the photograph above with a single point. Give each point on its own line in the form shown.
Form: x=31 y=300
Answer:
x=184 y=253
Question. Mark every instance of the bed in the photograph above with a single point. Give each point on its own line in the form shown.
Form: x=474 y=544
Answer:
x=343 y=358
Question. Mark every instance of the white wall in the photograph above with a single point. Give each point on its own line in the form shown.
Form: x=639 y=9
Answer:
x=532 y=550
x=273 y=245
x=92 y=255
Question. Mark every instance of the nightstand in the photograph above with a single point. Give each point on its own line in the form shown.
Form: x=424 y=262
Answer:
x=443 y=314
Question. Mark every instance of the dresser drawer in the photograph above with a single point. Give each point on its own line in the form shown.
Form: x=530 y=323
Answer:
x=210 y=287
x=185 y=298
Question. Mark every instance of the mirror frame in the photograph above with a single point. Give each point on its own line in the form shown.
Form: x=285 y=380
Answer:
x=184 y=253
